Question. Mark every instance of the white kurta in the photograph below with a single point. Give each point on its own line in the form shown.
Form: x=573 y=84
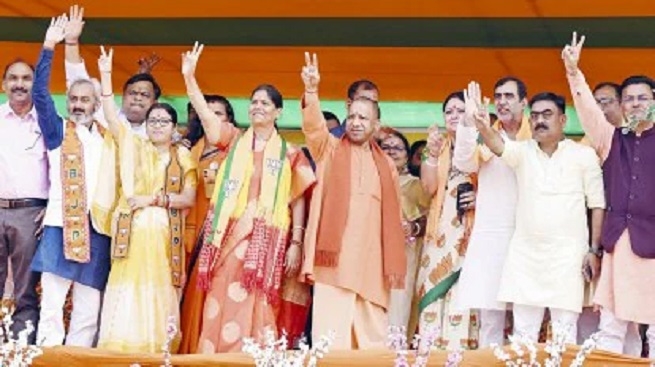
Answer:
x=544 y=261
x=92 y=149
x=495 y=211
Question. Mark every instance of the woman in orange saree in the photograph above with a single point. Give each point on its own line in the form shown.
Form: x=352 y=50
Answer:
x=254 y=230
x=213 y=112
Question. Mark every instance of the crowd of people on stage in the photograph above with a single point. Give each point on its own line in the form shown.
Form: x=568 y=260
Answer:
x=230 y=231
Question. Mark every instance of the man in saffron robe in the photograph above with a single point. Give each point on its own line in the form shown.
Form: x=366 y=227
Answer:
x=354 y=245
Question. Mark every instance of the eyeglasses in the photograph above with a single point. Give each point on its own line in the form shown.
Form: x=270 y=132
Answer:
x=153 y=122
x=534 y=115
x=392 y=148
x=603 y=102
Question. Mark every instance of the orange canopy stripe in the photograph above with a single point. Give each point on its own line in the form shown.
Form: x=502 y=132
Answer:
x=403 y=74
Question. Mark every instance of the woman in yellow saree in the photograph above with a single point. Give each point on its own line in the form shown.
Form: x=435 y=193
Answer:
x=403 y=307
x=255 y=227
x=157 y=181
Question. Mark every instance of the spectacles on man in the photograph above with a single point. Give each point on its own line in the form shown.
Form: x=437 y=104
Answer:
x=604 y=102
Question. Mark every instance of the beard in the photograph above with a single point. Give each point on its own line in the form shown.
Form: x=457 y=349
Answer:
x=81 y=119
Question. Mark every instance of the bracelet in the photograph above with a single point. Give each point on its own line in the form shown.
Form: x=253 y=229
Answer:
x=417 y=229
x=301 y=228
x=107 y=95
x=314 y=91
x=71 y=43
x=598 y=251
x=168 y=201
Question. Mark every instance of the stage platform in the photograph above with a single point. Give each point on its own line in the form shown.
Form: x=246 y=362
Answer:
x=78 y=357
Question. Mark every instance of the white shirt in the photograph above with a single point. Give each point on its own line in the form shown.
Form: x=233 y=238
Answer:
x=92 y=142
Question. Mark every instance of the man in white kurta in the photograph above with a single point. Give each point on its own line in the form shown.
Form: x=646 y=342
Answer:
x=494 y=209
x=557 y=179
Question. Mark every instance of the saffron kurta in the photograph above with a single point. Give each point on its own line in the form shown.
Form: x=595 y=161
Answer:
x=625 y=286
x=358 y=276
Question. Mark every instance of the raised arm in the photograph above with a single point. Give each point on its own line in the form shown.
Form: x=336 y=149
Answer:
x=465 y=156
x=599 y=131
x=317 y=136
x=74 y=65
x=490 y=136
x=430 y=165
x=108 y=106
x=210 y=122
x=50 y=123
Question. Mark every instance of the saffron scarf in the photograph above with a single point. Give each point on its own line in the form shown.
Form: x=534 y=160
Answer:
x=334 y=213
x=77 y=245
x=264 y=258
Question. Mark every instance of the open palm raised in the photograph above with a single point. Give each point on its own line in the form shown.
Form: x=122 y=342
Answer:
x=56 y=31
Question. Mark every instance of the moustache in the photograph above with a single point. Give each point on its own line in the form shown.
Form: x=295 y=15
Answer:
x=19 y=89
x=78 y=110
x=540 y=127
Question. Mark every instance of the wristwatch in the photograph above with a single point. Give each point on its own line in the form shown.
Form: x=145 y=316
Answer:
x=596 y=250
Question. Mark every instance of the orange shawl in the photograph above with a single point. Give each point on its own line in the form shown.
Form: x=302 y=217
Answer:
x=334 y=214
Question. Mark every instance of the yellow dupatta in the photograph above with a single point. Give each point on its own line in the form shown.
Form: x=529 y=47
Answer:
x=264 y=263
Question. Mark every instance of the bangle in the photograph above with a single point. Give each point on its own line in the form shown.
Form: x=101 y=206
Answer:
x=106 y=95
x=71 y=43
x=312 y=91
x=417 y=229
x=168 y=201
x=299 y=228
x=296 y=243
x=431 y=164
